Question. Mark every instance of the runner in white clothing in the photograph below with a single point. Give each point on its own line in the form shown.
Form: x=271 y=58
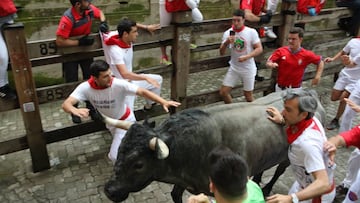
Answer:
x=245 y=44
x=108 y=95
x=118 y=51
x=313 y=170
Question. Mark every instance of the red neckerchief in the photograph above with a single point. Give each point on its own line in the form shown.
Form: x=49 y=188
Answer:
x=115 y=40
x=93 y=84
x=238 y=30
x=298 y=129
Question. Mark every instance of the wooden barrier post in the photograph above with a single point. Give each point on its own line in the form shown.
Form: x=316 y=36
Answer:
x=181 y=56
x=288 y=10
x=25 y=87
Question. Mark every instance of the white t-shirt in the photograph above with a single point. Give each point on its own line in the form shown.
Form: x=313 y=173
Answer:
x=353 y=48
x=109 y=101
x=306 y=154
x=243 y=45
x=117 y=55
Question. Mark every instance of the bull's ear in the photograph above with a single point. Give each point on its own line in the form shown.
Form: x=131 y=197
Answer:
x=159 y=146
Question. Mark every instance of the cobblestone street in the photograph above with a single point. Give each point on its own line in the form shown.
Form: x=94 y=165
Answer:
x=80 y=166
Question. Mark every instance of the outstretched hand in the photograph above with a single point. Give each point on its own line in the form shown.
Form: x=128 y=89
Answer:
x=169 y=103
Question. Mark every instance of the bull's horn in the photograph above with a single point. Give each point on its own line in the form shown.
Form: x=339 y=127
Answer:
x=159 y=146
x=125 y=125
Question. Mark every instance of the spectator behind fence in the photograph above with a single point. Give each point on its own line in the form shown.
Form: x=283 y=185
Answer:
x=77 y=22
x=108 y=95
x=118 y=51
x=292 y=60
x=7 y=15
x=314 y=176
x=228 y=180
x=166 y=8
x=254 y=10
x=244 y=44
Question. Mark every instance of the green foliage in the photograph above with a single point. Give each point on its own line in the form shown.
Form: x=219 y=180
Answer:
x=41 y=80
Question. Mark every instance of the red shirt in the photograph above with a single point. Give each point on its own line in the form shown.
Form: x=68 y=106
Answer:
x=176 y=5
x=73 y=24
x=7 y=7
x=292 y=65
x=256 y=6
x=352 y=137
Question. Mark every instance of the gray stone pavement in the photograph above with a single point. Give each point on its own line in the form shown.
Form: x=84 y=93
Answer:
x=80 y=167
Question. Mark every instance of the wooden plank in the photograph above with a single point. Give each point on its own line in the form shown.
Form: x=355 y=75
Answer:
x=21 y=68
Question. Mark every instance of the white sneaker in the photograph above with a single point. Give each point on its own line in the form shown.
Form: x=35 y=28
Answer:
x=270 y=33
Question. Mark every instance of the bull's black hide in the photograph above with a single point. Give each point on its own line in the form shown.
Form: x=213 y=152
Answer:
x=190 y=135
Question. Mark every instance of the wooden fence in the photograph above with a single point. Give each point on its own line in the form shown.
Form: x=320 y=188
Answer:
x=27 y=55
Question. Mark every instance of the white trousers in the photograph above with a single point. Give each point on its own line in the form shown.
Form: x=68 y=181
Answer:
x=352 y=168
x=4 y=60
x=349 y=113
x=353 y=195
x=130 y=100
x=118 y=134
x=165 y=17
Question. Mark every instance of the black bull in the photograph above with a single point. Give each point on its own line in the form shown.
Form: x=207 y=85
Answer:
x=189 y=136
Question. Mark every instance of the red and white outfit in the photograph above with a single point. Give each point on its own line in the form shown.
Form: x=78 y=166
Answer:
x=352 y=138
x=167 y=7
x=306 y=156
x=109 y=101
x=7 y=15
x=256 y=6
x=245 y=39
x=349 y=75
x=118 y=52
x=292 y=66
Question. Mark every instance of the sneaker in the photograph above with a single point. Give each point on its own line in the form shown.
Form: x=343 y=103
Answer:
x=193 y=46
x=341 y=190
x=75 y=119
x=333 y=124
x=270 y=33
x=259 y=78
x=7 y=93
x=165 y=61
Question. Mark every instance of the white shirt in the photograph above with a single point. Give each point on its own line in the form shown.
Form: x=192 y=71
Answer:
x=243 y=45
x=353 y=48
x=306 y=155
x=109 y=101
x=117 y=55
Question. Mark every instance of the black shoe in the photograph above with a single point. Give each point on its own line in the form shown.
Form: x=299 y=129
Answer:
x=333 y=124
x=75 y=119
x=259 y=78
x=341 y=190
x=95 y=115
x=7 y=93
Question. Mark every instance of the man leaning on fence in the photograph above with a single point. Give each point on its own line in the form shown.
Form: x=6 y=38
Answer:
x=76 y=22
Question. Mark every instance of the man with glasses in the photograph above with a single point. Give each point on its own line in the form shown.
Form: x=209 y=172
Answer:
x=292 y=60
x=77 y=22
x=245 y=44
